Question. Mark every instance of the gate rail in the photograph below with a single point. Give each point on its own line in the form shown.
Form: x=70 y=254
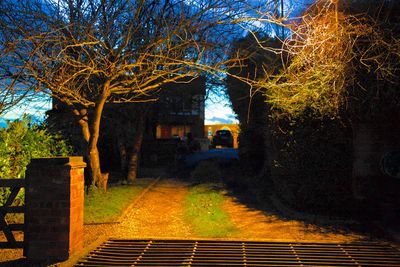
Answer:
x=15 y=186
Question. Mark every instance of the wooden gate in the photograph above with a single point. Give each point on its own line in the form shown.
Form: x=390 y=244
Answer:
x=10 y=207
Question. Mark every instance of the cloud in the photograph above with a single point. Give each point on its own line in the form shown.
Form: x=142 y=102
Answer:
x=232 y=117
x=219 y=120
x=219 y=113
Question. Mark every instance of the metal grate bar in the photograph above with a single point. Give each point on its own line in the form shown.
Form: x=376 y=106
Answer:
x=116 y=252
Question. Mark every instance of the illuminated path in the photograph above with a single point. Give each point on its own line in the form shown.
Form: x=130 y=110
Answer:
x=159 y=214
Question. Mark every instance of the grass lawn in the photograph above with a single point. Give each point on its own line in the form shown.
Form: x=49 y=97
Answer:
x=203 y=210
x=104 y=207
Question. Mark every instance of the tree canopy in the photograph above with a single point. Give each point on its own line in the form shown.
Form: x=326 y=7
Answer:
x=330 y=55
x=87 y=53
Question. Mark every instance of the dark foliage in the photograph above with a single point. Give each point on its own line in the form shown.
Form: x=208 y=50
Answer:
x=312 y=164
x=309 y=159
x=249 y=103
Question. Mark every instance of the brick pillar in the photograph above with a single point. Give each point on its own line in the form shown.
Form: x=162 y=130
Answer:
x=54 y=208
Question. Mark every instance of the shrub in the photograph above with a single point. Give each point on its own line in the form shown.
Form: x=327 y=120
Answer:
x=312 y=165
x=21 y=141
x=339 y=60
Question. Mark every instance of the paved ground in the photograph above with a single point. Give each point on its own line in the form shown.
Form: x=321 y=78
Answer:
x=256 y=224
x=159 y=215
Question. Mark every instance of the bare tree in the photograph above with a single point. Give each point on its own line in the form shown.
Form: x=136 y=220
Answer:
x=86 y=53
x=12 y=87
x=9 y=95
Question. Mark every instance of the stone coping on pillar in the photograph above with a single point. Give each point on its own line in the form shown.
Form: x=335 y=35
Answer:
x=73 y=161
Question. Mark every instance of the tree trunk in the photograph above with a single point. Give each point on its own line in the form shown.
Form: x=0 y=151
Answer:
x=123 y=156
x=137 y=144
x=91 y=133
x=83 y=121
x=94 y=162
x=99 y=179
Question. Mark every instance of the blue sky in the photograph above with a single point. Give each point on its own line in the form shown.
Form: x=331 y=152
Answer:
x=36 y=109
x=219 y=112
x=215 y=112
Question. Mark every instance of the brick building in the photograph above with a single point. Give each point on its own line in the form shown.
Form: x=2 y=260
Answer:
x=178 y=111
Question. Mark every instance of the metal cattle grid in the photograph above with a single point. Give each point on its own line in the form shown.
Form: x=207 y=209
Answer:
x=116 y=252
